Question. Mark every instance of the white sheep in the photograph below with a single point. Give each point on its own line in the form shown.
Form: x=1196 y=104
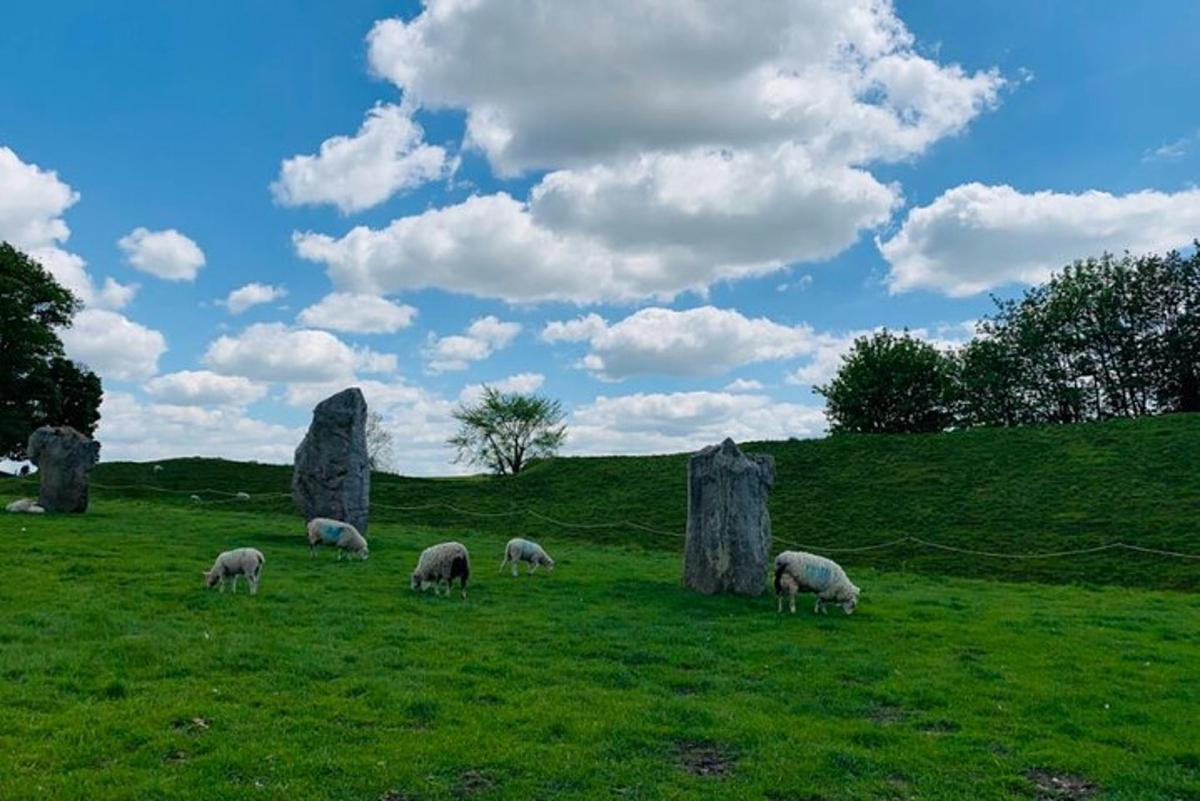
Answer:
x=27 y=505
x=522 y=550
x=325 y=531
x=442 y=562
x=158 y=468
x=196 y=499
x=246 y=562
x=243 y=496
x=797 y=571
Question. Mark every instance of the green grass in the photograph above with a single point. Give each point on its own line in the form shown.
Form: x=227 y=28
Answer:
x=121 y=677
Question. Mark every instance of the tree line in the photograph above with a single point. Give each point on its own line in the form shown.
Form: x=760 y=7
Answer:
x=1104 y=338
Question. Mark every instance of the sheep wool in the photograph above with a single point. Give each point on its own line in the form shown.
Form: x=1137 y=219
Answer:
x=522 y=550
x=233 y=564
x=445 y=561
x=798 y=571
x=27 y=505
x=343 y=536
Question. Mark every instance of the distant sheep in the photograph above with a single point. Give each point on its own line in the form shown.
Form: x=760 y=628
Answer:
x=196 y=498
x=243 y=496
x=158 y=468
x=325 y=531
x=246 y=562
x=521 y=550
x=797 y=571
x=27 y=505
x=443 y=562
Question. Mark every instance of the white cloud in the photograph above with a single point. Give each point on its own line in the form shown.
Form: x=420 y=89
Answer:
x=701 y=341
x=482 y=338
x=204 y=388
x=386 y=156
x=167 y=254
x=744 y=385
x=274 y=352
x=130 y=429
x=633 y=77
x=685 y=421
x=581 y=329
x=976 y=237
x=32 y=202
x=521 y=383
x=1173 y=151
x=358 y=314
x=113 y=345
x=252 y=294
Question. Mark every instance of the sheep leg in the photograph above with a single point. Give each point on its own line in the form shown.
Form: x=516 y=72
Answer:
x=236 y=576
x=778 y=603
x=533 y=566
x=792 y=601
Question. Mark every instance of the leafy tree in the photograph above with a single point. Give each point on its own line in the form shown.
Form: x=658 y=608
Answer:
x=380 y=455
x=38 y=384
x=504 y=431
x=891 y=384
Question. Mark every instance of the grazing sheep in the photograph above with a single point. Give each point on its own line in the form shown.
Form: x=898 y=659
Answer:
x=797 y=571
x=158 y=468
x=324 y=531
x=243 y=496
x=196 y=498
x=443 y=562
x=246 y=562
x=28 y=505
x=521 y=550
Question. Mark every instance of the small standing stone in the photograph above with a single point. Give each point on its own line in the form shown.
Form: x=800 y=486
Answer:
x=728 y=543
x=63 y=457
x=332 y=475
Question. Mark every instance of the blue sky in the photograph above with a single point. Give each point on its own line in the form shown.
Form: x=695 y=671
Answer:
x=628 y=209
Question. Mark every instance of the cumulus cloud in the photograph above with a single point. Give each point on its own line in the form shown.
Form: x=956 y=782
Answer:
x=358 y=314
x=744 y=385
x=275 y=352
x=976 y=237
x=32 y=204
x=482 y=338
x=521 y=383
x=581 y=329
x=386 y=156
x=684 y=421
x=250 y=295
x=113 y=345
x=701 y=341
x=204 y=388
x=166 y=254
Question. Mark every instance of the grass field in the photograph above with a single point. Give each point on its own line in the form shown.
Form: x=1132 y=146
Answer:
x=122 y=677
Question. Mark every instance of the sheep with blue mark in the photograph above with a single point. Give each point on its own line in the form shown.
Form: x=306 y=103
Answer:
x=798 y=571
x=343 y=536
x=234 y=564
x=522 y=550
x=445 y=561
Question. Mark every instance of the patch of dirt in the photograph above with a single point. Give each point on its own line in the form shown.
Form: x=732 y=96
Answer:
x=192 y=726
x=1061 y=786
x=176 y=757
x=941 y=727
x=474 y=782
x=705 y=759
x=887 y=715
x=784 y=795
x=396 y=795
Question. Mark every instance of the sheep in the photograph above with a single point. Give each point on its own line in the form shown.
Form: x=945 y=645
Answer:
x=28 y=505
x=521 y=550
x=246 y=562
x=196 y=499
x=158 y=468
x=797 y=571
x=243 y=496
x=323 y=530
x=443 y=562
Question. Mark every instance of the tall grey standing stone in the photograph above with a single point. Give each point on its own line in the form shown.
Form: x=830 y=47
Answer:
x=63 y=457
x=331 y=475
x=728 y=527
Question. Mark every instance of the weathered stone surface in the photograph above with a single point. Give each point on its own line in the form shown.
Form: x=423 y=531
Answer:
x=332 y=477
x=63 y=457
x=728 y=543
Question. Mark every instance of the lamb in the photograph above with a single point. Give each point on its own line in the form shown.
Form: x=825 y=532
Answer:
x=442 y=562
x=243 y=496
x=521 y=550
x=797 y=571
x=323 y=530
x=28 y=505
x=246 y=562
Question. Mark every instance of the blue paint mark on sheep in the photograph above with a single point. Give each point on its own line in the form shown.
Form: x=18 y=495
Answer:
x=331 y=534
x=819 y=572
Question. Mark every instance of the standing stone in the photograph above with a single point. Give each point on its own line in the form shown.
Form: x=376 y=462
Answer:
x=332 y=476
x=63 y=457
x=728 y=527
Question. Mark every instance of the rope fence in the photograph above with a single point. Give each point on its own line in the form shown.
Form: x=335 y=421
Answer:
x=235 y=497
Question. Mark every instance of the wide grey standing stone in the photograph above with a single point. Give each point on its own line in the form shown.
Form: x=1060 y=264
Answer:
x=331 y=475
x=728 y=542
x=63 y=457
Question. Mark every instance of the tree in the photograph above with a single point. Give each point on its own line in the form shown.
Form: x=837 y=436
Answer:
x=380 y=455
x=891 y=384
x=38 y=384
x=504 y=431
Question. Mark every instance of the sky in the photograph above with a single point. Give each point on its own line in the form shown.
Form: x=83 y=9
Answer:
x=673 y=216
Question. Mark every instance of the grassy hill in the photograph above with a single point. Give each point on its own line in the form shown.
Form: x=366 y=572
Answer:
x=1037 y=489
